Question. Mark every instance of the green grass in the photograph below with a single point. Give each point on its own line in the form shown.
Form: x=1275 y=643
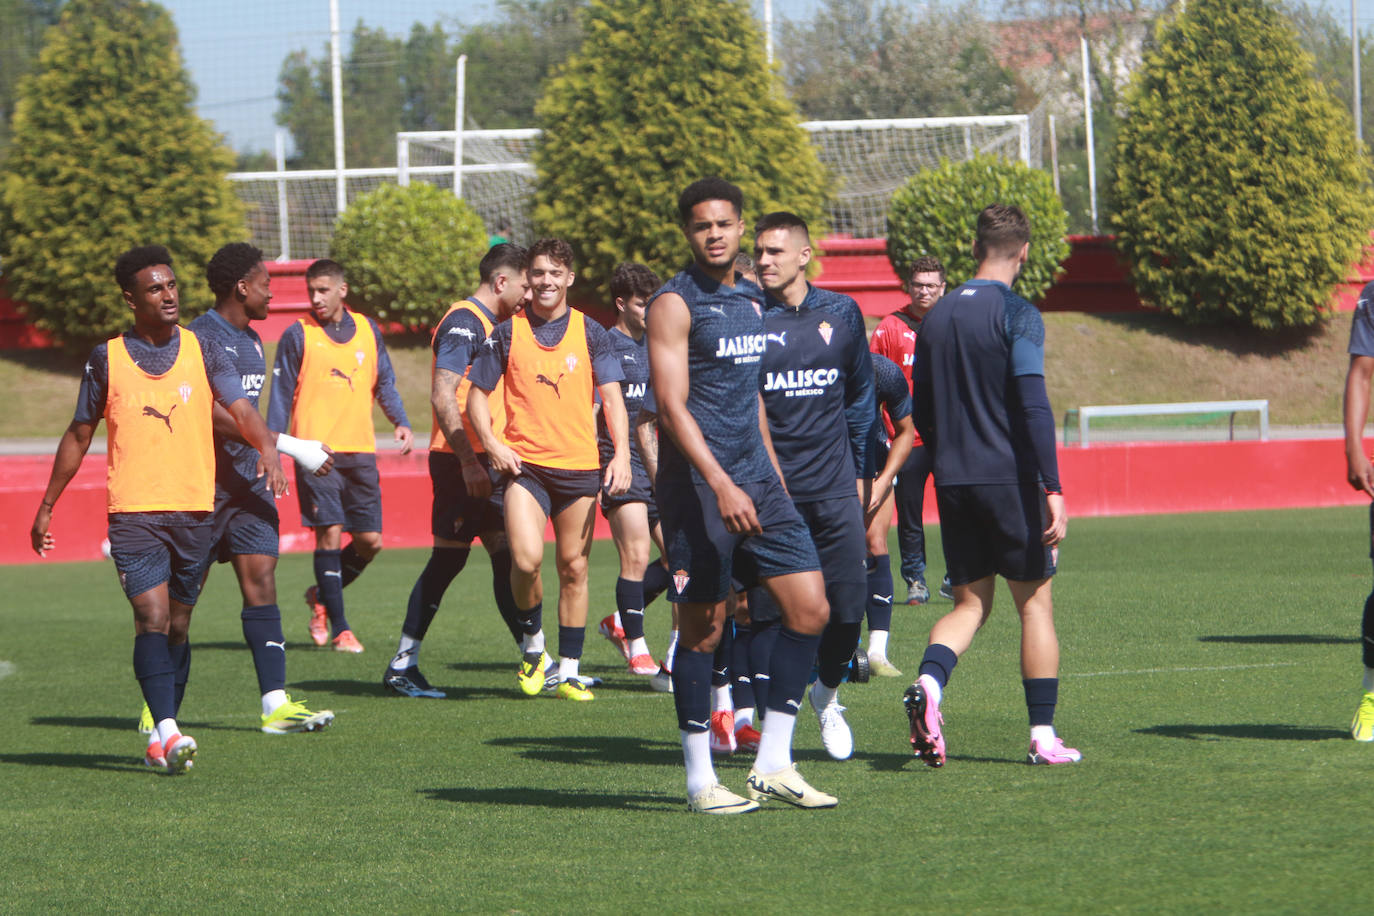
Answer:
x=1210 y=668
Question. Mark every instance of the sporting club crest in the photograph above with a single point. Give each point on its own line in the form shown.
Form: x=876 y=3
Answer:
x=826 y=331
x=680 y=580
x=359 y=355
x=184 y=389
x=758 y=309
x=571 y=362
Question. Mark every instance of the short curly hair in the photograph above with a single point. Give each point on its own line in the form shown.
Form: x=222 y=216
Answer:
x=553 y=249
x=629 y=280
x=132 y=261
x=229 y=265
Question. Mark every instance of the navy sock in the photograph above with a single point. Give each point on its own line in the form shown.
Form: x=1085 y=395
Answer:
x=765 y=636
x=939 y=662
x=329 y=582
x=879 y=592
x=1367 y=631
x=154 y=670
x=351 y=565
x=720 y=659
x=743 y=687
x=629 y=601
x=1042 y=693
x=838 y=642
x=789 y=669
x=692 y=690
x=444 y=564
x=181 y=671
x=500 y=589
x=262 y=632
x=531 y=621
x=656 y=579
x=570 y=640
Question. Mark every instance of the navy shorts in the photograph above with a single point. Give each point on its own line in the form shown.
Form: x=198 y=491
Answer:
x=455 y=515
x=147 y=552
x=553 y=488
x=349 y=495
x=837 y=529
x=245 y=521
x=641 y=490
x=703 y=556
x=992 y=529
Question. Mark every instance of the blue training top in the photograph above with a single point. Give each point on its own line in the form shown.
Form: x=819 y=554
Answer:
x=634 y=363
x=811 y=375
x=1362 y=324
x=235 y=462
x=975 y=346
x=725 y=347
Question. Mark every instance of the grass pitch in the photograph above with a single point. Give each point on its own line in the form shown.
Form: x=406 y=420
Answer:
x=1210 y=669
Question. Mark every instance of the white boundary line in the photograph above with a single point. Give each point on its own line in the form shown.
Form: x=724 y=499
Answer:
x=1181 y=670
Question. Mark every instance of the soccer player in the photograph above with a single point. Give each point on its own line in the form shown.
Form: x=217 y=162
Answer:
x=982 y=411
x=894 y=408
x=1360 y=473
x=550 y=359
x=245 y=529
x=330 y=366
x=816 y=370
x=646 y=438
x=459 y=470
x=723 y=506
x=895 y=337
x=633 y=516
x=155 y=386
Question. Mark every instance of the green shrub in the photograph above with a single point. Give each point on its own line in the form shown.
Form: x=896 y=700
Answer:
x=107 y=154
x=935 y=213
x=409 y=252
x=1241 y=197
x=661 y=93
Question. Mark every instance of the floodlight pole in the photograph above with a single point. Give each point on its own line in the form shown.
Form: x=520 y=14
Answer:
x=768 y=30
x=336 y=88
x=1355 y=69
x=283 y=211
x=459 y=105
x=1054 y=155
x=1088 y=118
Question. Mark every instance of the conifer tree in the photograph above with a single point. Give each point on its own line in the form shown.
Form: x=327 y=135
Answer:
x=107 y=153
x=661 y=93
x=1242 y=197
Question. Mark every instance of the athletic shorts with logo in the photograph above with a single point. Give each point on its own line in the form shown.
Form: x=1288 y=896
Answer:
x=553 y=488
x=147 y=551
x=702 y=556
x=244 y=521
x=349 y=495
x=837 y=529
x=455 y=515
x=992 y=529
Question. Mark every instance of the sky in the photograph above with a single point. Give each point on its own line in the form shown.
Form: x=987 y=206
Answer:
x=234 y=51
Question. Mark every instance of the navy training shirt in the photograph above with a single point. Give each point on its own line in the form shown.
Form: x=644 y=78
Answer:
x=490 y=364
x=894 y=397
x=1362 y=324
x=725 y=345
x=809 y=381
x=634 y=363
x=458 y=338
x=974 y=343
x=235 y=462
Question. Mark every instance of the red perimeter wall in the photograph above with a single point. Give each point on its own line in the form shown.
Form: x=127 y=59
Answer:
x=1099 y=480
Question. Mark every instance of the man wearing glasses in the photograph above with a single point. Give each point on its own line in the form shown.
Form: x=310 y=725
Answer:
x=895 y=338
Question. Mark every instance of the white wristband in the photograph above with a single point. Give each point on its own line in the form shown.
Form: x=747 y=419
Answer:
x=308 y=453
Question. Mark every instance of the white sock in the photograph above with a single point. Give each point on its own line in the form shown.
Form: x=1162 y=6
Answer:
x=154 y=738
x=166 y=730
x=877 y=643
x=1369 y=680
x=696 y=753
x=567 y=668
x=672 y=648
x=619 y=622
x=407 y=654
x=720 y=699
x=932 y=688
x=271 y=700
x=744 y=717
x=822 y=696
x=775 y=745
x=1042 y=733
x=532 y=643
x=639 y=646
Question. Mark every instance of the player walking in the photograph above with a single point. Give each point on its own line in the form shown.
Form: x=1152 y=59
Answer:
x=1360 y=473
x=245 y=530
x=154 y=386
x=982 y=410
x=330 y=366
x=723 y=506
x=893 y=409
x=550 y=359
x=459 y=470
